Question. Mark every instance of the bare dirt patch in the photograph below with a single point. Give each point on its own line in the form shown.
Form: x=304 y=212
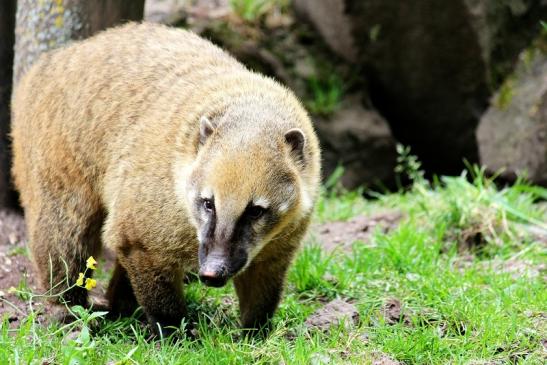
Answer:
x=379 y=358
x=334 y=314
x=342 y=234
x=15 y=266
x=393 y=313
x=521 y=268
x=517 y=268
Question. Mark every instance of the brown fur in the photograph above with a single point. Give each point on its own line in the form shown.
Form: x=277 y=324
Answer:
x=104 y=133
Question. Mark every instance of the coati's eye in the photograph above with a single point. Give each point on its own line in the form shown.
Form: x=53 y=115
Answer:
x=256 y=211
x=208 y=205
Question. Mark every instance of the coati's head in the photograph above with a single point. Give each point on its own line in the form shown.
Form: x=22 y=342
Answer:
x=244 y=188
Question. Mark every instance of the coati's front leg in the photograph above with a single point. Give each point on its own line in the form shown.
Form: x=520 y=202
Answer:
x=259 y=289
x=157 y=288
x=121 y=298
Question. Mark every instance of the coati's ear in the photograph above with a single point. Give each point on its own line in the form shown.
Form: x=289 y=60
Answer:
x=296 y=140
x=206 y=128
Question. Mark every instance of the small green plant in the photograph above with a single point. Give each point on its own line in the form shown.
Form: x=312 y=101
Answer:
x=505 y=95
x=375 y=32
x=409 y=165
x=326 y=94
x=82 y=347
x=254 y=10
x=18 y=250
x=333 y=182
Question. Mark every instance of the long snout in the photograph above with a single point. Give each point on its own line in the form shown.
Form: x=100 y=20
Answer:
x=214 y=271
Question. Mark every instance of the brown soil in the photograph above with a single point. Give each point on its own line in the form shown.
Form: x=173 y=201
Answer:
x=16 y=270
x=333 y=314
x=342 y=235
x=15 y=266
x=393 y=313
x=379 y=358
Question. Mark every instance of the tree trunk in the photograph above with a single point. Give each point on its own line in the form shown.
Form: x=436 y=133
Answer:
x=7 y=39
x=48 y=24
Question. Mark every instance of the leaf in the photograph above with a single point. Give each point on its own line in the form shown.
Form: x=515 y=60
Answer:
x=84 y=337
x=97 y=314
x=79 y=310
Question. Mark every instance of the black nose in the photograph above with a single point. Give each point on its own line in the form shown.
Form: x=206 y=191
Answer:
x=213 y=279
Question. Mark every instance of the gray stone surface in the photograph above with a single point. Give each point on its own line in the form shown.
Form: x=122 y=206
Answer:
x=331 y=21
x=360 y=140
x=512 y=135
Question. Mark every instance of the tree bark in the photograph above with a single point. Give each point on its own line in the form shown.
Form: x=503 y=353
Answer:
x=7 y=39
x=48 y=24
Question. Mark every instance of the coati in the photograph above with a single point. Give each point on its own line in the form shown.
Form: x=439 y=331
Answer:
x=158 y=144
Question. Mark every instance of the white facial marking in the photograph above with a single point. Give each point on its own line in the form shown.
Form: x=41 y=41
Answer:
x=181 y=174
x=206 y=193
x=283 y=207
x=306 y=201
x=262 y=202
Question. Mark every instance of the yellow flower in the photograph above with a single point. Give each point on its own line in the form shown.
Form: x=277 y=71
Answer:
x=12 y=290
x=80 y=280
x=90 y=283
x=91 y=263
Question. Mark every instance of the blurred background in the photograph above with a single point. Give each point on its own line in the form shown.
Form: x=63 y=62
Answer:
x=454 y=82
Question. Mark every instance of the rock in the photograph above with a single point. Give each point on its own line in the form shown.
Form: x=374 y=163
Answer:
x=333 y=314
x=330 y=19
x=512 y=135
x=430 y=65
x=163 y=11
x=177 y=11
x=360 y=140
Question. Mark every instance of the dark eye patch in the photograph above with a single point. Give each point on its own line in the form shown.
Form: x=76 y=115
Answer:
x=255 y=211
x=207 y=204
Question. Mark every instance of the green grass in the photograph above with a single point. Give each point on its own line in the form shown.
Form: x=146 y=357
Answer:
x=444 y=263
x=253 y=10
x=325 y=94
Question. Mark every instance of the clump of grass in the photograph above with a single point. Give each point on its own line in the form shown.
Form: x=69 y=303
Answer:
x=474 y=214
x=326 y=94
x=254 y=10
